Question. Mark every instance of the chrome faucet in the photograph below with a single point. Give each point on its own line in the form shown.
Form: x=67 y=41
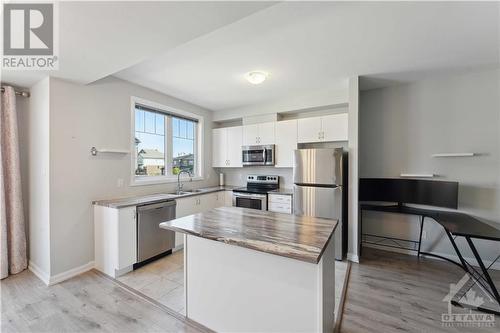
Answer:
x=179 y=184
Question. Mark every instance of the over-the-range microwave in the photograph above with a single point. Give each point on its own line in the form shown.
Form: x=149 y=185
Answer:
x=258 y=155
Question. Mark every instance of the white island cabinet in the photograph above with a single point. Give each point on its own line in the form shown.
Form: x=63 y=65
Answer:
x=238 y=279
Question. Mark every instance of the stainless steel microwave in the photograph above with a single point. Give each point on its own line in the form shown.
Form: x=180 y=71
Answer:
x=258 y=155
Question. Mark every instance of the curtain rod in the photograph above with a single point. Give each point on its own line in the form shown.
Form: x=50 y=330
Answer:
x=20 y=93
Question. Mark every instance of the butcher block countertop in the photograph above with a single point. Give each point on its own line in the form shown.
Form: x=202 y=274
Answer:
x=299 y=237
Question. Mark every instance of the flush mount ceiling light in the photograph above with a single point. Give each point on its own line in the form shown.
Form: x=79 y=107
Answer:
x=256 y=77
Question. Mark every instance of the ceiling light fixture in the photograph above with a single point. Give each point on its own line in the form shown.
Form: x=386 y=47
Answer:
x=256 y=77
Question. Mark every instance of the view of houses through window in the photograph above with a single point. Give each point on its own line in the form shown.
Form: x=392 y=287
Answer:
x=164 y=144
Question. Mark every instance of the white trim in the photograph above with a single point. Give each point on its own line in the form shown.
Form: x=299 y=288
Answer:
x=70 y=273
x=353 y=257
x=39 y=273
x=198 y=149
x=472 y=261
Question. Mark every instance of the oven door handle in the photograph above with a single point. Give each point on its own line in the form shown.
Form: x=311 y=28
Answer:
x=250 y=195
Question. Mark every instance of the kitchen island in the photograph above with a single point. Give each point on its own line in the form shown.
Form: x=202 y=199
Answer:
x=248 y=270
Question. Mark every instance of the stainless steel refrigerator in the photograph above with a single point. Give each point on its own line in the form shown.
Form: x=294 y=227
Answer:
x=318 y=179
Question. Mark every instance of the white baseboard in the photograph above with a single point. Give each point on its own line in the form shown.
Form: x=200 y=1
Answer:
x=472 y=261
x=39 y=273
x=353 y=257
x=51 y=280
x=71 y=273
x=178 y=248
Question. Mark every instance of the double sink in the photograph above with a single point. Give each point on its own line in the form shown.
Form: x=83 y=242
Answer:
x=190 y=192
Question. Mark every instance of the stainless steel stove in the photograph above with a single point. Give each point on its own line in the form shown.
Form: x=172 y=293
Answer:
x=254 y=195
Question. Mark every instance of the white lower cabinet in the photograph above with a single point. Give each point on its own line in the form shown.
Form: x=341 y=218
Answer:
x=115 y=233
x=196 y=204
x=280 y=203
x=228 y=198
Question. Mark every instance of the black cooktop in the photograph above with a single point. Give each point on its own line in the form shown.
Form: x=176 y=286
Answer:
x=259 y=184
x=255 y=190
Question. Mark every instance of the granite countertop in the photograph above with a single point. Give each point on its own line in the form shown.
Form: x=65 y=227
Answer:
x=285 y=191
x=152 y=198
x=299 y=237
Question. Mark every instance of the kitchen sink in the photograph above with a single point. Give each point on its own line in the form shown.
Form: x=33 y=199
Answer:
x=183 y=192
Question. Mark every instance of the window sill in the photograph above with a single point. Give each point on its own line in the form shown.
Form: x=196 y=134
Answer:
x=161 y=180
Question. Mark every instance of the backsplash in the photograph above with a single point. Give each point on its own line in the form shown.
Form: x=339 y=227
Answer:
x=237 y=176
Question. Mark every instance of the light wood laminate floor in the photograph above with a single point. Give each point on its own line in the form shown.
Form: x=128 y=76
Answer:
x=161 y=280
x=392 y=292
x=86 y=303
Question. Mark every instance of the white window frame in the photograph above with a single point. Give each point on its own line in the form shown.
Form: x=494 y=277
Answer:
x=198 y=148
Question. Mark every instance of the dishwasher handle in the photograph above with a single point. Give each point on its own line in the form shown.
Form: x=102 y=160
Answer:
x=157 y=205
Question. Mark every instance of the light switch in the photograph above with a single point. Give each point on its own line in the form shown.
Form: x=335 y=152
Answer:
x=119 y=182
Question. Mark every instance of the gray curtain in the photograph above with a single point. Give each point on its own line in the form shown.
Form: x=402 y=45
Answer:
x=12 y=227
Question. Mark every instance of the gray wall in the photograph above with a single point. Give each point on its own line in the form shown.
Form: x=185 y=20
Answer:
x=401 y=126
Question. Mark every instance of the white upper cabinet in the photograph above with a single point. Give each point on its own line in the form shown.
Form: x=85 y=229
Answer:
x=219 y=154
x=259 y=134
x=234 y=143
x=326 y=128
x=267 y=133
x=309 y=129
x=226 y=147
x=334 y=127
x=286 y=143
x=251 y=134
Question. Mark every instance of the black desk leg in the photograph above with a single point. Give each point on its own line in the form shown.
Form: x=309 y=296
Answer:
x=462 y=261
x=420 y=237
x=361 y=232
x=483 y=269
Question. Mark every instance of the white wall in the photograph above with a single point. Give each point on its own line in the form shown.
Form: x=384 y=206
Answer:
x=401 y=126
x=35 y=141
x=81 y=117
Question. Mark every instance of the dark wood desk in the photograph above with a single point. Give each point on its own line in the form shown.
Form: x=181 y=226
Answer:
x=455 y=224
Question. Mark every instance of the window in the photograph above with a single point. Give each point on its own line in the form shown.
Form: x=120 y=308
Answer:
x=165 y=142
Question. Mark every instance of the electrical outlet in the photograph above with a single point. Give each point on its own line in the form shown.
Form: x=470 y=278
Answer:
x=119 y=182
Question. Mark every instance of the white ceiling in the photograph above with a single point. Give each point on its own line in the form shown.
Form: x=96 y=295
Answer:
x=200 y=51
x=309 y=46
x=97 y=39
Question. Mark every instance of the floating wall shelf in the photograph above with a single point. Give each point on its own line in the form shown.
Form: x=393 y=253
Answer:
x=453 y=155
x=417 y=175
x=94 y=151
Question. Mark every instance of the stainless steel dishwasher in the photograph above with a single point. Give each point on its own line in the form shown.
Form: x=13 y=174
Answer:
x=151 y=240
